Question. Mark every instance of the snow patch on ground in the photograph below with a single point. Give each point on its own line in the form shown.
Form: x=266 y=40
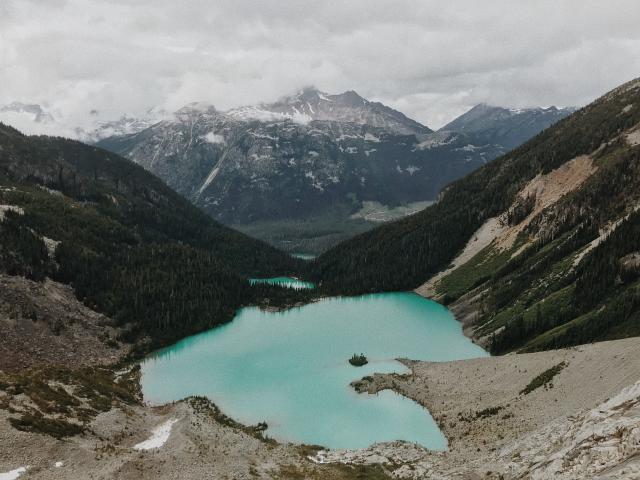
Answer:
x=210 y=178
x=13 y=474
x=51 y=245
x=9 y=208
x=264 y=115
x=469 y=148
x=159 y=436
x=436 y=139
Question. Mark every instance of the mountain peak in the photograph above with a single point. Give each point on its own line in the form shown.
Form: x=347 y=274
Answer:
x=505 y=126
x=311 y=104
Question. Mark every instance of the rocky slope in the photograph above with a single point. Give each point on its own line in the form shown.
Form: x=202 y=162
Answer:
x=578 y=422
x=506 y=127
x=560 y=414
x=123 y=240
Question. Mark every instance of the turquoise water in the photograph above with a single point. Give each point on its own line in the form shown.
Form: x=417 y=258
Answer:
x=288 y=282
x=291 y=368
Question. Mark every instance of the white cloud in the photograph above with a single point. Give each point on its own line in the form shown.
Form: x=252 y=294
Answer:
x=431 y=59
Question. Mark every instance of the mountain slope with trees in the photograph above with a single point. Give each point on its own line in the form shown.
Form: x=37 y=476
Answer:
x=557 y=272
x=305 y=172
x=131 y=247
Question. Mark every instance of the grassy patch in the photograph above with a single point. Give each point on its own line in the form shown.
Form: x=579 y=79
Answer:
x=489 y=412
x=544 y=379
x=475 y=272
x=202 y=405
x=55 y=427
x=61 y=402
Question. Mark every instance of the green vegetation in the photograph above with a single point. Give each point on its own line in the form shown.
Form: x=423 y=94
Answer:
x=473 y=273
x=131 y=247
x=358 y=360
x=204 y=406
x=37 y=423
x=61 y=402
x=314 y=235
x=489 y=412
x=542 y=297
x=403 y=254
x=544 y=379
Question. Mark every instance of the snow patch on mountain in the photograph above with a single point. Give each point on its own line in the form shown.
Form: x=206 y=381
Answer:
x=213 y=138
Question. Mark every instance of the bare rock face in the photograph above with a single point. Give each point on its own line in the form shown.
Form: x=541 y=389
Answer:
x=599 y=443
x=630 y=264
x=305 y=155
x=44 y=324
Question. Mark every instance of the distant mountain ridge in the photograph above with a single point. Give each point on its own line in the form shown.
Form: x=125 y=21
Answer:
x=504 y=126
x=311 y=157
x=308 y=154
x=311 y=104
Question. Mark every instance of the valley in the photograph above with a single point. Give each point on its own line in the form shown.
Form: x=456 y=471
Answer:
x=141 y=338
x=315 y=169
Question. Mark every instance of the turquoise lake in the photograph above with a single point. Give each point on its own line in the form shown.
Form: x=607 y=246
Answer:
x=291 y=368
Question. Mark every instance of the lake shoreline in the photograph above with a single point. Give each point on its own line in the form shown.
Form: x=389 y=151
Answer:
x=479 y=404
x=318 y=340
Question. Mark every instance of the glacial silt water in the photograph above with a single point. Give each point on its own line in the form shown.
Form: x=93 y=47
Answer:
x=291 y=368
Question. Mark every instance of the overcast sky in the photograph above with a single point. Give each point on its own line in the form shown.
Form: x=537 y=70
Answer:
x=430 y=59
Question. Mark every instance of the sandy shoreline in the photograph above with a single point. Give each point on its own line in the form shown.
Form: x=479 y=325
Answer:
x=478 y=403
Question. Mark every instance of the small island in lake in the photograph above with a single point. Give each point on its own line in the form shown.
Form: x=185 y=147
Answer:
x=358 y=360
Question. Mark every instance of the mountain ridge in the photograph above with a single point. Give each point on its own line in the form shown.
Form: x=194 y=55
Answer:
x=507 y=126
x=309 y=157
x=124 y=241
x=568 y=273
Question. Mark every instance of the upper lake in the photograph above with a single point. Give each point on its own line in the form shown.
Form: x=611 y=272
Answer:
x=291 y=368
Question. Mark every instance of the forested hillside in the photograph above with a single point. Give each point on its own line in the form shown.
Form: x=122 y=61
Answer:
x=560 y=265
x=130 y=246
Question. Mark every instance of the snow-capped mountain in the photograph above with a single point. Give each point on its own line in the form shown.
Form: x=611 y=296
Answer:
x=348 y=107
x=312 y=154
x=32 y=112
x=306 y=155
x=126 y=125
x=27 y=117
x=37 y=119
x=506 y=127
